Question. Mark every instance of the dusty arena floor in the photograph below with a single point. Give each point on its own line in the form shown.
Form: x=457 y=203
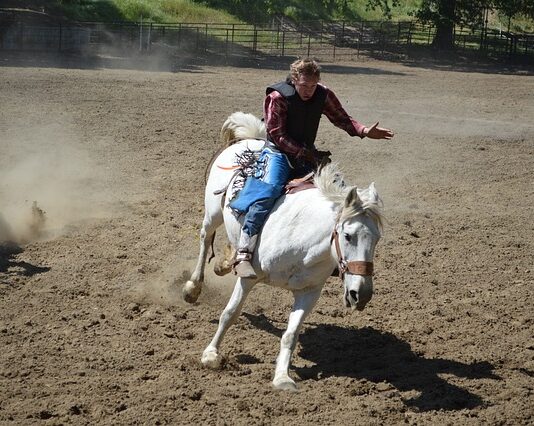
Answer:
x=101 y=188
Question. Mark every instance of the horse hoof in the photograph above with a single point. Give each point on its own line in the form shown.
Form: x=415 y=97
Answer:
x=212 y=359
x=191 y=291
x=285 y=384
x=222 y=270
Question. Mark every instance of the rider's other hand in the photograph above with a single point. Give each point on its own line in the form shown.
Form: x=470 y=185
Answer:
x=375 y=132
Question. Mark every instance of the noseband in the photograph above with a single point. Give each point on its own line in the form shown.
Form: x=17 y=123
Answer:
x=355 y=267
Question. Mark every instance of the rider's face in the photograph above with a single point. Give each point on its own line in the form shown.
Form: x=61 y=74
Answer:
x=305 y=86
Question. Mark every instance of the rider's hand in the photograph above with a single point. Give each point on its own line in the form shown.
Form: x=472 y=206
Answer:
x=375 y=132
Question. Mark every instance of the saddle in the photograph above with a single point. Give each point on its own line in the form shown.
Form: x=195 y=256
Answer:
x=306 y=182
x=300 y=184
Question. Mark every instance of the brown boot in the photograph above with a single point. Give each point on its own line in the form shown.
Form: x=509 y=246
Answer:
x=243 y=267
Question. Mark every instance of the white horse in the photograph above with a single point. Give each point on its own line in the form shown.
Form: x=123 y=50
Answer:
x=307 y=235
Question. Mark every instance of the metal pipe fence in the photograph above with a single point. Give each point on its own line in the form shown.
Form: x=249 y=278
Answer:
x=323 y=40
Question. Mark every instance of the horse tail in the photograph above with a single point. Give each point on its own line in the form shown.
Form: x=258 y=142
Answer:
x=239 y=126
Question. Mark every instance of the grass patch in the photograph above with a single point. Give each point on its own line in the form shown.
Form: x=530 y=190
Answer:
x=172 y=11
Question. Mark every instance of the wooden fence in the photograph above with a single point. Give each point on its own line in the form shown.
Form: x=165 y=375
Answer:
x=320 y=39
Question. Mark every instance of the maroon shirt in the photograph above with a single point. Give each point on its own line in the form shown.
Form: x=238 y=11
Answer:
x=275 y=114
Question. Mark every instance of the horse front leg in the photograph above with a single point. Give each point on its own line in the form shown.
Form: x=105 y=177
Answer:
x=304 y=303
x=211 y=357
x=193 y=287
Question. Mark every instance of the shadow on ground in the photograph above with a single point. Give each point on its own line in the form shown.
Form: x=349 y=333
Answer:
x=10 y=266
x=156 y=62
x=184 y=62
x=379 y=356
x=457 y=61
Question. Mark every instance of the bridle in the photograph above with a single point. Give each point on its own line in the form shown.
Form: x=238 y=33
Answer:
x=355 y=267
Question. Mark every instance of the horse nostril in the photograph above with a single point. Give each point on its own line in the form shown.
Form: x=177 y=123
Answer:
x=354 y=295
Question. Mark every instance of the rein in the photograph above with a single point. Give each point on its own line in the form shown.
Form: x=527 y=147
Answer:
x=355 y=267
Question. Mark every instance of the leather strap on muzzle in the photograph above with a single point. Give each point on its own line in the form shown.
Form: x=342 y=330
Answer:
x=355 y=267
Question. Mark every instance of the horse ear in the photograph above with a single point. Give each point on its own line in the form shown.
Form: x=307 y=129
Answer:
x=373 y=194
x=352 y=198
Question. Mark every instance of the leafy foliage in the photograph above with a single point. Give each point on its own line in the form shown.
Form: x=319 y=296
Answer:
x=446 y=14
x=385 y=5
x=263 y=10
x=443 y=13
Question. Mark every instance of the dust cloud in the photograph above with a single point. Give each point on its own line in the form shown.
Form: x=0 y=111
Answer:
x=164 y=287
x=48 y=182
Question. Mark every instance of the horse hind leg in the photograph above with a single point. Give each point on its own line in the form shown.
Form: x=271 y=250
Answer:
x=193 y=287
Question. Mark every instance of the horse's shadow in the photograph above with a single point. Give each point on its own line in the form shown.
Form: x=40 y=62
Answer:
x=379 y=356
x=10 y=266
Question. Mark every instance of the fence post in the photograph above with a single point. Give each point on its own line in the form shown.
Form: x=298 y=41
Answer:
x=384 y=37
x=486 y=13
x=22 y=36
x=255 y=40
x=359 y=39
x=206 y=39
x=149 y=41
x=141 y=35
x=283 y=42
x=335 y=41
x=309 y=44
x=226 y=45
x=60 y=31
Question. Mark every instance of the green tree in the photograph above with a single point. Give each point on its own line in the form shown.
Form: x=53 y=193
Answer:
x=513 y=8
x=446 y=14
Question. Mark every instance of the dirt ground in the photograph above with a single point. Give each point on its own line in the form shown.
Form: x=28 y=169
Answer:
x=101 y=196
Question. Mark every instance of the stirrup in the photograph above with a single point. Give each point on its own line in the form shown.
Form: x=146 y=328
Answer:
x=242 y=256
x=242 y=266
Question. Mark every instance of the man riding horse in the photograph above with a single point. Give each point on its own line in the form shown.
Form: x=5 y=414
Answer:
x=292 y=111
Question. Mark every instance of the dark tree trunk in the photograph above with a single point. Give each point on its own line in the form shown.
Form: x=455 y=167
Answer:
x=444 y=38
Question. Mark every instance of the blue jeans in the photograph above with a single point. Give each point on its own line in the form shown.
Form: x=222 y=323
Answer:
x=261 y=191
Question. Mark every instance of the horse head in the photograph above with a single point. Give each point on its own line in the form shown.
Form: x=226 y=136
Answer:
x=356 y=235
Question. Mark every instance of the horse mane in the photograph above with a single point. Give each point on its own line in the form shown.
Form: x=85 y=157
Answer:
x=241 y=125
x=330 y=181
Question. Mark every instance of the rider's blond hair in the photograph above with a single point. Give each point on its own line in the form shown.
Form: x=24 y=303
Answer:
x=306 y=67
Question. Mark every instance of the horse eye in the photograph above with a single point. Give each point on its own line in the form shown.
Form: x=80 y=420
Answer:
x=348 y=237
